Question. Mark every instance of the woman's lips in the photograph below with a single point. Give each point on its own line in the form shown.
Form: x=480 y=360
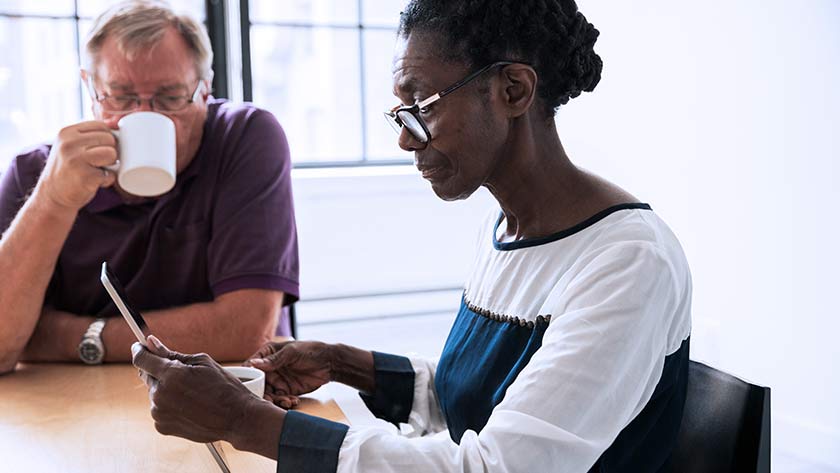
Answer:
x=432 y=172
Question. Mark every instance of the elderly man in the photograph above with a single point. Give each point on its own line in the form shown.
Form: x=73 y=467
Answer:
x=210 y=263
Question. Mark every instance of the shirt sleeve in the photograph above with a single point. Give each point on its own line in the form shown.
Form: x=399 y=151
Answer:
x=599 y=364
x=405 y=393
x=254 y=236
x=17 y=182
x=10 y=197
x=394 y=395
x=309 y=444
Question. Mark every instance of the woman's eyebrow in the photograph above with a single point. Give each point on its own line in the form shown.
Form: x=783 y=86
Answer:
x=411 y=84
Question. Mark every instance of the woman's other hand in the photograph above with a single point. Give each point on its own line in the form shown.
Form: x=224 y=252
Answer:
x=293 y=368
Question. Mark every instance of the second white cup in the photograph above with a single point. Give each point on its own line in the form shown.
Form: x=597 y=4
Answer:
x=252 y=378
x=147 y=151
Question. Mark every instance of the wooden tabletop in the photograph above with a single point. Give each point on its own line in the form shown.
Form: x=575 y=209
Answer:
x=65 y=418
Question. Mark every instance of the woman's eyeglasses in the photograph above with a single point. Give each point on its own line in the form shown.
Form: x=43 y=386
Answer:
x=408 y=116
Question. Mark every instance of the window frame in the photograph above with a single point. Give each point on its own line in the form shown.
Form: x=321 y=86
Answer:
x=244 y=30
x=217 y=39
x=76 y=40
x=228 y=25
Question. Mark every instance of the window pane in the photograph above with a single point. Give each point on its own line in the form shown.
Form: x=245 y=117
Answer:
x=341 y=12
x=379 y=95
x=40 y=7
x=93 y=8
x=382 y=12
x=39 y=82
x=309 y=78
x=87 y=110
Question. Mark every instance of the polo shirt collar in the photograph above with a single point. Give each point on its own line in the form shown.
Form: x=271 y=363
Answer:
x=107 y=198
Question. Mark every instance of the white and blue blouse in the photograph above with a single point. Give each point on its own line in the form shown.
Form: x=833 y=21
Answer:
x=569 y=353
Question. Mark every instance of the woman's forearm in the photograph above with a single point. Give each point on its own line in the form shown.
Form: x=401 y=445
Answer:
x=354 y=367
x=259 y=429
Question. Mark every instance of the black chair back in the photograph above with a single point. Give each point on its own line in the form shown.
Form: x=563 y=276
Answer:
x=292 y=321
x=725 y=426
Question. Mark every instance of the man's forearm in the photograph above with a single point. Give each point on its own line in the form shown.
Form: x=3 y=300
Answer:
x=29 y=250
x=231 y=328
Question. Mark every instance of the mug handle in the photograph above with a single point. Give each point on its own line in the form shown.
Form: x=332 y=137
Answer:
x=116 y=166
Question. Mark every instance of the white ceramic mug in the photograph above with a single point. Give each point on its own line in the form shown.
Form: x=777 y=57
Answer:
x=252 y=378
x=146 y=147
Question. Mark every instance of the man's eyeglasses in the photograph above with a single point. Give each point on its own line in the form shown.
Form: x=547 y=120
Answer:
x=131 y=102
x=408 y=116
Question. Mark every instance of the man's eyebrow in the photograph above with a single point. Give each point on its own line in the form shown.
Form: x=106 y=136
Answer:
x=172 y=87
x=130 y=87
x=119 y=85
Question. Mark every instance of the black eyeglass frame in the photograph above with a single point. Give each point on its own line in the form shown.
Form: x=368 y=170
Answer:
x=393 y=115
x=139 y=100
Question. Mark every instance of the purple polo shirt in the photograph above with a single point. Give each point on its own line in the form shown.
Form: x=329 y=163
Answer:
x=228 y=223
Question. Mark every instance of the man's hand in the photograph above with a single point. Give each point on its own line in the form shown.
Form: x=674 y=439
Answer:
x=293 y=368
x=74 y=171
x=192 y=396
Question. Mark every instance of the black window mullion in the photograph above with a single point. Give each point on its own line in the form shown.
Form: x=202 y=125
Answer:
x=78 y=43
x=216 y=19
x=245 y=33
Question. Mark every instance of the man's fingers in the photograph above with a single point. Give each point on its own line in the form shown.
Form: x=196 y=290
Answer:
x=91 y=126
x=101 y=156
x=97 y=138
x=108 y=178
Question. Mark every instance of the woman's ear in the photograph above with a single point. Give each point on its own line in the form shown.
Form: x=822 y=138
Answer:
x=519 y=82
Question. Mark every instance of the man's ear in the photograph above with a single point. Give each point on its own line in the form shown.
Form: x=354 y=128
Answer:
x=519 y=82
x=86 y=83
x=208 y=89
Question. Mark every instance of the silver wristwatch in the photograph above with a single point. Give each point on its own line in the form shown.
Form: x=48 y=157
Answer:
x=91 y=349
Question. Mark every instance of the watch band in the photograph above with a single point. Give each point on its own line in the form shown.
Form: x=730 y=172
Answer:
x=91 y=349
x=95 y=329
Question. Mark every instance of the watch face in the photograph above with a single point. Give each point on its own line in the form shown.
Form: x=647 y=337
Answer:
x=89 y=352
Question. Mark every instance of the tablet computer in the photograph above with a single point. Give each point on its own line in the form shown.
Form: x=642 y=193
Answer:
x=132 y=317
x=141 y=331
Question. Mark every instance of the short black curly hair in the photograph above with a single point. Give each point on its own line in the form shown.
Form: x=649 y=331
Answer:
x=550 y=35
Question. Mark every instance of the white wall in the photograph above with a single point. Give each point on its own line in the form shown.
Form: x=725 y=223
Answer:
x=724 y=115
x=381 y=229
x=721 y=114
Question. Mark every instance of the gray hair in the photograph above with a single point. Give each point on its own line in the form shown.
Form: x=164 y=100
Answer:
x=138 y=25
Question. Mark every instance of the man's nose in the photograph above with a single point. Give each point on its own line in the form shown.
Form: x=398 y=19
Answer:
x=146 y=105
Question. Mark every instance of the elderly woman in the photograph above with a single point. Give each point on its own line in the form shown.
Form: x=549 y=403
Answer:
x=569 y=350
